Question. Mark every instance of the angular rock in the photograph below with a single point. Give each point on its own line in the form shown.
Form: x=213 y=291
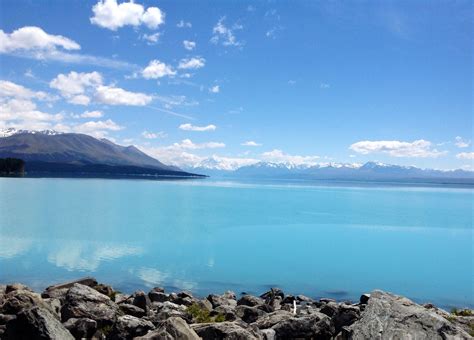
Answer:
x=314 y=326
x=141 y=300
x=226 y=299
x=36 y=323
x=271 y=319
x=225 y=331
x=86 y=281
x=345 y=315
x=268 y=334
x=16 y=286
x=81 y=328
x=388 y=316
x=158 y=296
x=251 y=301
x=172 y=329
x=227 y=311
x=128 y=327
x=248 y=314
x=364 y=298
x=105 y=289
x=133 y=310
x=85 y=302
x=19 y=299
x=272 y=293
x=329 y=308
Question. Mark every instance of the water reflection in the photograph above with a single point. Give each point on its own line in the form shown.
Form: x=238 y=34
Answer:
x=87 y=256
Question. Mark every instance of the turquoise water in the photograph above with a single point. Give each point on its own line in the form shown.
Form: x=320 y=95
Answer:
x=205 y=235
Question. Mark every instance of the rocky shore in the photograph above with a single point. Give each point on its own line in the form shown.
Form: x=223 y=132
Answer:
x=87 y=309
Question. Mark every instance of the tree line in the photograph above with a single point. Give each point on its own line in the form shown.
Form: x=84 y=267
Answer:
x=12 y=166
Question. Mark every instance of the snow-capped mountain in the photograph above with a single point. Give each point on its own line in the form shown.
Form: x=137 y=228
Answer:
x=215 y=166
x=12 y=131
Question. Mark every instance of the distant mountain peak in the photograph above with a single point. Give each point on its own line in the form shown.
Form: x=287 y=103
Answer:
x=12 y=131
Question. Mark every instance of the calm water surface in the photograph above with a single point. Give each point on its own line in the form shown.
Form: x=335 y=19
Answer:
x=205 y=235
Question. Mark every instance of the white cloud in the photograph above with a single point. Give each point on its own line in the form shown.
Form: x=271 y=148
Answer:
x=225 y=35
x=214 y=89
x=189 y=45
x=153 y=135
x=34 y=38
x=73 y=84
x=80 y=99
x=324 y=86
x=92 y=114
x=251 y=143
x=189 y=127
x=10 y=89
x=34 y=43
x=18 y=110
x=278 y=156
x=151 y=38
x=418 y=148
x=189 y=145
x=192 y=63
x=116 y=96
x=465 y=155
x=461 y=143
x=184 y=24
x=92 y=127
x=156 y=69
x=111 y=15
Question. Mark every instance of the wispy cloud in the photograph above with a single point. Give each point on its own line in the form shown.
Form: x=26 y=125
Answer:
x=250 y=143
x=190 y=127
x=225 y=35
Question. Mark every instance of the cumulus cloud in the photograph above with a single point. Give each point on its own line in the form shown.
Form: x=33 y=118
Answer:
x=10 y=89
x=34 y=38
x=251 y=143
x=116 y=96
x=461 y=143
x=465 y=155
x=214 y=89
x=278 y=156
x=22 y=111
x=192 y=63
x=157 y=69
x=153 y=135
x=73 y=86
x=92 y=114
x=225 y=35
x=189 y=45
x=418 y=148
x=190 y=127
x=112 y=15
x=94 y=127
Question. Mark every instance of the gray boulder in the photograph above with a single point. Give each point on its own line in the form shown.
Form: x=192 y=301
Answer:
x=271 y=319
x=388 y=316
x=248 y=314
x=314 y=326
x=81 y=328
x=133 y=310
x=226 y=299
x=173 y=328
x=225 y=331
x=85 y=302
x=36 y=323
x=250 y=300
x=128 y=327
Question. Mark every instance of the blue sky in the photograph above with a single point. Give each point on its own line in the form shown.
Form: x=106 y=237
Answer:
x=303 y=82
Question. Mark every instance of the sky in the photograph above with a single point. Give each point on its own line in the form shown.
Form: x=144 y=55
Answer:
x=237 y=82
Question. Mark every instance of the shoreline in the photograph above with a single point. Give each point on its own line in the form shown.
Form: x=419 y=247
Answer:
x=87 y=309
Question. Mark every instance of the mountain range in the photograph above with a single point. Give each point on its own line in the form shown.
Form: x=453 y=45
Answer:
x=51 y=151
x=370 y=171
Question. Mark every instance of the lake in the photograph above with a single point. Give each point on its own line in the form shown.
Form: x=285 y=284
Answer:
x=316 y=239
